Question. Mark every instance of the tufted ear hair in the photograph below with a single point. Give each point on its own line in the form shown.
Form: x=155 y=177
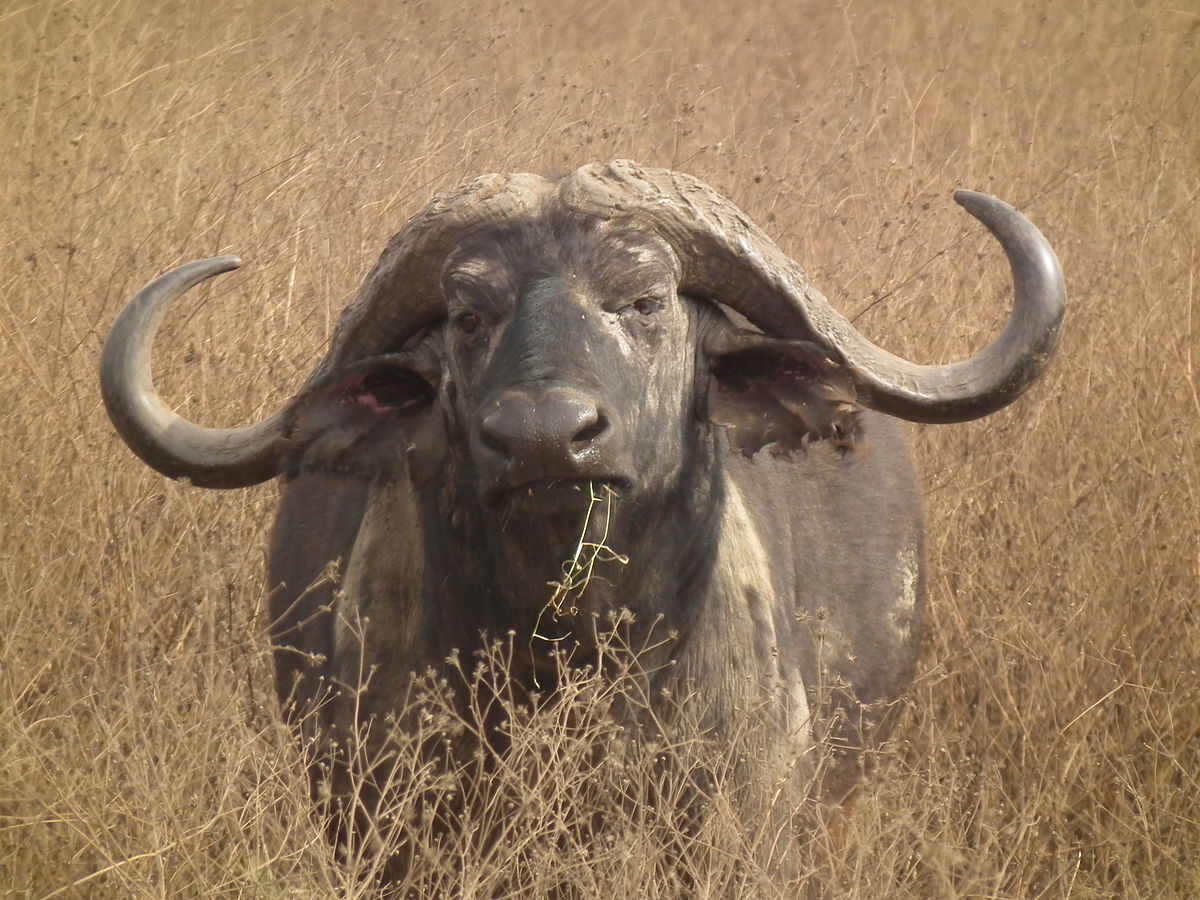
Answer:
x=374 y=419
x=778 y=393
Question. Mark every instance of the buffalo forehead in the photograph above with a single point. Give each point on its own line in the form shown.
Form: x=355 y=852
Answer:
x=610 y=259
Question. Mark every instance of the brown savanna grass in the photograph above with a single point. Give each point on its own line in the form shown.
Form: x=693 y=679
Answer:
x=1052 y=744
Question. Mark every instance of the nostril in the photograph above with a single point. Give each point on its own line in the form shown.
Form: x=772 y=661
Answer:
x=588 y=433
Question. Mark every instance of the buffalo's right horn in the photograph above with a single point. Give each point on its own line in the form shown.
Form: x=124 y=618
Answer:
x=167 y=442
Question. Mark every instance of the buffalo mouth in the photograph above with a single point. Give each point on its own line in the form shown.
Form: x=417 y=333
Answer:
x=557 y=496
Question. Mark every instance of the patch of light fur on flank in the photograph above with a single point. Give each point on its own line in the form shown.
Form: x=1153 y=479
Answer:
x=906 y=600
x=379 y=609
x=742 y=572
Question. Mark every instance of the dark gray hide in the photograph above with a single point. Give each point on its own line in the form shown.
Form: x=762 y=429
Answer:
x=778 y=574
x=523 y=341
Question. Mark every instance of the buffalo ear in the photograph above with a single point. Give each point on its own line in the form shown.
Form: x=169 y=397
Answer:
x=377 y=419
x=783 y=393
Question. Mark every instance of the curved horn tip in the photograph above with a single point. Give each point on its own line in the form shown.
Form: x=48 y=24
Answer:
x=978 y=203
x=225 y=263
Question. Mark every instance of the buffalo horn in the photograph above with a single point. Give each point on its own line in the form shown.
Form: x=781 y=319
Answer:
x=725 y=257
x=208 y=457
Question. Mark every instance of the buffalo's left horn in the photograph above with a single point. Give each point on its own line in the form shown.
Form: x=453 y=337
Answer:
x=167 y=442
x=725 y=257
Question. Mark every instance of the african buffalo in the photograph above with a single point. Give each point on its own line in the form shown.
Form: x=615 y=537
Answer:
x=526 y=345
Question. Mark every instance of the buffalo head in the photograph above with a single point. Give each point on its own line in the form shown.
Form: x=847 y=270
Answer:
x=558 y=331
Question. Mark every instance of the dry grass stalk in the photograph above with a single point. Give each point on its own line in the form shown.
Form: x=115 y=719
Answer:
x=581 y=567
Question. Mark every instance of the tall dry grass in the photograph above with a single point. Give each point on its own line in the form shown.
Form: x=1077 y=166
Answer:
x=1053 y=741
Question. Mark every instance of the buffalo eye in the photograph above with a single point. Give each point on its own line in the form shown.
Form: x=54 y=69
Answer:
x=646 y=306
x=467 y=322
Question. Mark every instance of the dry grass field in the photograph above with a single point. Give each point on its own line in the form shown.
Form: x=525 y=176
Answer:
x=1051 y=748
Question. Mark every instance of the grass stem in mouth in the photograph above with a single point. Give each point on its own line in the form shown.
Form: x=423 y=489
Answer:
x=579 y=569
